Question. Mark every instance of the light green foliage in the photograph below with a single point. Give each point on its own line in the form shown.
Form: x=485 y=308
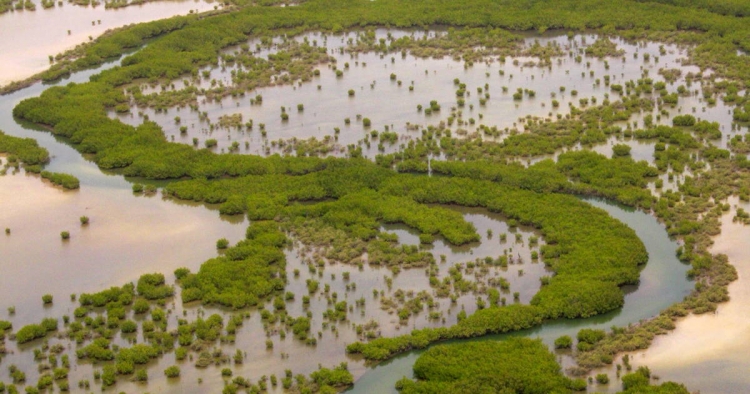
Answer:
x=65 y=180
x=153 y=287
x=35 y=331
x=172 y=372
x=27 y=150
x=563 y=342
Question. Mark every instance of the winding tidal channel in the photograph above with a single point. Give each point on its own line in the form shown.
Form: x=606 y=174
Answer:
x=130 y=235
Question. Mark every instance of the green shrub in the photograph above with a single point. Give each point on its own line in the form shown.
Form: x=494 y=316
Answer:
x=621 y=150
x=515 y=365
x=172 y=372
x=65 y=180
x=563 y=342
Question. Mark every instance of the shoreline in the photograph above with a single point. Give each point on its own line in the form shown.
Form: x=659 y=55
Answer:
x=30 y=54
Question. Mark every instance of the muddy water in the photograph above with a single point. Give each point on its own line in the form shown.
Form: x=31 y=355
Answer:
x=388 y=104
x=38 y=34
x=126 y=236
x=129 y=236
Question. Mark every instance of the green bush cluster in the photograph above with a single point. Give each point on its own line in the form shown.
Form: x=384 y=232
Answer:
x=27 y=150
x=244 y=275
x=65 y=180
x=517 y=365
x=31 y=332
x=153 y=287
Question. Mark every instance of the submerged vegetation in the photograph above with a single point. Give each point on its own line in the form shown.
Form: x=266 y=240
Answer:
x=337 y=207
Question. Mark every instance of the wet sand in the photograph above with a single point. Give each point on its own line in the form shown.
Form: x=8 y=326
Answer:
x=709 y=352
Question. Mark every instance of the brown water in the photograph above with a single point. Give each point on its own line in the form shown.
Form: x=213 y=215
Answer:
x=126 y=237
x=130 y=235
x=30 y=37
x=388 y=104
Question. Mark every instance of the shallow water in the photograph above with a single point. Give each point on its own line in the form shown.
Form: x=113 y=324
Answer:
x=38 y=34
x=129 y=235
x=709 y=352
x=387 y=104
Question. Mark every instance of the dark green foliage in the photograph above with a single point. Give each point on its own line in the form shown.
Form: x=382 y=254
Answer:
x=128 y=327
x=515 y=365
x=222 y=243
x=180 y=273
x=65 y=180
x=590 y=336
x=109 y=375
x=141 y=306
x=138 y=354
x=301 y=327
x=97 y=350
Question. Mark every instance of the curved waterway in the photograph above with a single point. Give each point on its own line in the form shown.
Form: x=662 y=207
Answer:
x=663 y=282
x=129 y=236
